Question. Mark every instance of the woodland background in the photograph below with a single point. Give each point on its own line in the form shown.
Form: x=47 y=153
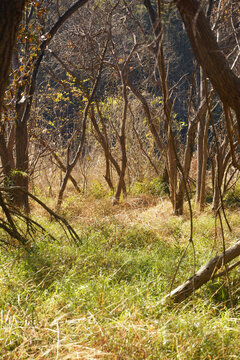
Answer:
x=119 y=148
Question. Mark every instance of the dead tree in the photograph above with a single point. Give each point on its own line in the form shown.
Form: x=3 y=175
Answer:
x=206 y=273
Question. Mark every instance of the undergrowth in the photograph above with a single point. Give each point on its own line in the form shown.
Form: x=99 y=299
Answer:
x=102 y=299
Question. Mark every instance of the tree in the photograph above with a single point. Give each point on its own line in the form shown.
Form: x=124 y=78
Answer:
x=209 y=55
x=227 y=86
x=10 y=17
x=23 y=100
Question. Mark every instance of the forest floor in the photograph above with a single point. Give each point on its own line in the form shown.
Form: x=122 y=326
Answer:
x=101 y=298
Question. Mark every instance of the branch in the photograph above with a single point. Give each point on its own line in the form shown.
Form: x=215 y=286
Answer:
x=43 y=46
x=62 y=221
x=202 y=276
x=209 y=55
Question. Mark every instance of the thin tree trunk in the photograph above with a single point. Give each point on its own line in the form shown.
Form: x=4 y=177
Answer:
x=189 y=149
x=204 y=166
x=122 y=139
x=222 y=161
x=171 y=163
x=200 y=135
x=58 y=160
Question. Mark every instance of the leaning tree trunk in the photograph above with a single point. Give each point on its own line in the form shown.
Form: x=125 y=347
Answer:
x=209 y=54
x=206 y=273
x=221 y=161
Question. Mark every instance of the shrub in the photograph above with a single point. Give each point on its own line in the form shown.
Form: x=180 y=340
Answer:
x=232 y=197
x=156 y=186
x=97 y=190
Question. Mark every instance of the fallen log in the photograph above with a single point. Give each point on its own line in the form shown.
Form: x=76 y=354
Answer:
x=202 y=276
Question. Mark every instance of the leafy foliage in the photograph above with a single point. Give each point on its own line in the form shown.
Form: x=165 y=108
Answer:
x=156 y=186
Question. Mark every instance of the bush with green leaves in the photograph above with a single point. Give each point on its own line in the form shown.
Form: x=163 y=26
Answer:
x=156 y=186
x=232 y=197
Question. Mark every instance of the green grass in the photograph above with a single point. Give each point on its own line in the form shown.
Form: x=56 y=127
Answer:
x=102 y=299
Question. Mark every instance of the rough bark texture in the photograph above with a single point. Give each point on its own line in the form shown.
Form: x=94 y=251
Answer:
x=209 y=54
x=10 y=17
x=205 y=274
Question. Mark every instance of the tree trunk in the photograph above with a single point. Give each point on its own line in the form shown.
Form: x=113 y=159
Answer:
x=188 y=153
x=221 y=161
x=21 y=174
x=209 y=54
x=205 y=274
x=172 y=171
x=160 y=64
x=122 y=139
x=10 y=17
x=200 y=134
x=6 y=158
x=204 y=166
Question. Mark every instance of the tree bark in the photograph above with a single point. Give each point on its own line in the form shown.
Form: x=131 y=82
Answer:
x=20 y=178
x=201 y=151
x=202 y=197
x=209 y=54
x=10 y=17
x=122 y=140
x=205 y=274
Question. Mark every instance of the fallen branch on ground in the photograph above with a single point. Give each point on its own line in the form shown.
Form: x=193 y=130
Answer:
x=202 y=276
